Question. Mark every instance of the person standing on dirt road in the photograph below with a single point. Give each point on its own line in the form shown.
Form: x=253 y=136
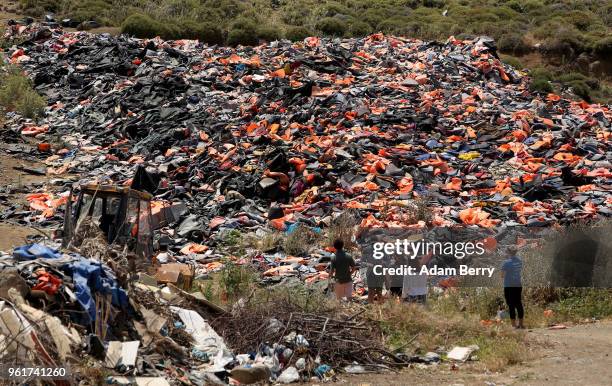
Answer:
x=342 y=267
x=513 y=287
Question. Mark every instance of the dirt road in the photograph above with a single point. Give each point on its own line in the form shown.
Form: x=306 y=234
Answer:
x=18 y=183
x=578 y=355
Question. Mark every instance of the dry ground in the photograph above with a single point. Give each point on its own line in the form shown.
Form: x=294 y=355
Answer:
x=578 y=355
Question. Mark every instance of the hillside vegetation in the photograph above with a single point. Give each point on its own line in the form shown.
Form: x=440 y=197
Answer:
x=572 y=35
x=518 y=25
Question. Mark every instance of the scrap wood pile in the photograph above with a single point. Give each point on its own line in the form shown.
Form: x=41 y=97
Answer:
x=329 y=336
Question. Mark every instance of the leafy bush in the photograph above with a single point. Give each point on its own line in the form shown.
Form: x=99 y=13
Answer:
x=603 y=47
x=512 y=61
x=205 y=32
x=360 y=28
x=580 y=19
x=235 y=280
x=45 y=5
x=229 y=8
x=242 y=37
x=296 y=16
x=541 y=72
x=540 y=85
x=88 y=10
x=515 y=5
x=375 y=16
x=297 y=33
x=580 y=88
x=395 y=25
x=332 y=9
x=571 y=76
x=244 y=24
x=243 y=32
x=269 y=33
x=332 y=26
x=512 y=43
x=17 y=94
x=142 y=26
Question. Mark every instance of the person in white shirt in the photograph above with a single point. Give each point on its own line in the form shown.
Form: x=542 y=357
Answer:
x=415 y=287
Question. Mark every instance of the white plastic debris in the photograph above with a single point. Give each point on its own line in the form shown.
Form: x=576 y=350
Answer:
x=121 y=353
x=300 y=340
x=461 y=354
x=355 y=369
x=289 y=375
x=300 y=364
x=206 y=339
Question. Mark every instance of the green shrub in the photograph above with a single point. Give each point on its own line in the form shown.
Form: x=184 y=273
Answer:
x=360 y=28
x=505 y=13
x=514 y=5
x=581 y=89
x=580 y=303
x=235 y=280
x=532 y=5
x=242 y=37
x=88 y=10
x=142 y=26
x=332 y=26
x=541 y=72
x=512 y=61
x=297 y=33
x=296 y=16
x=244 y=24
x=571 y=76
x=375 y=16
x=581 y=19
x=332 y=9
x=593 y=83
x=540 y=85
x=243 y=32
x=395 y=25
x=44 y=5
x=560 y=37
x=603 y=47
x=17 y=94
x=205 y=32
x=229 y=8
x=269 y=33
x=512 y=43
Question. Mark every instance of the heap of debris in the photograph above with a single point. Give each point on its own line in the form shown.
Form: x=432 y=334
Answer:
x=282 y=137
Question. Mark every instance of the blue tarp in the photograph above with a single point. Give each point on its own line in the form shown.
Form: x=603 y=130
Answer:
x=88 y=276
x=93 y=277
x=35 y=251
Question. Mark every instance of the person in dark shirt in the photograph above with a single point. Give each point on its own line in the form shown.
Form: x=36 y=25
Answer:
x=513 y=287
x=342 y=267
